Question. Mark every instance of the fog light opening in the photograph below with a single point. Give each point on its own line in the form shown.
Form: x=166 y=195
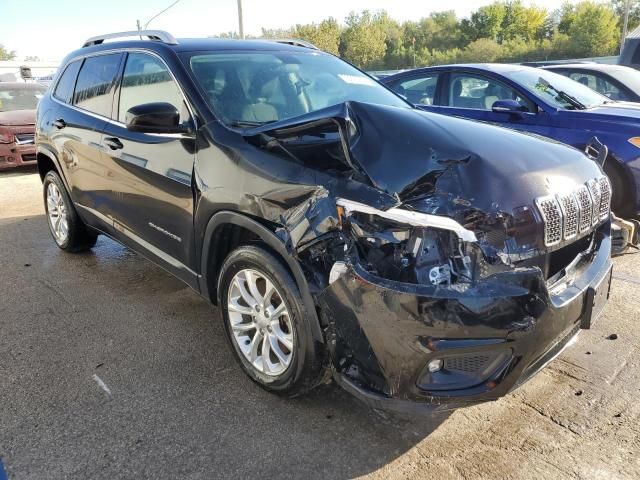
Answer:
x=435 y=365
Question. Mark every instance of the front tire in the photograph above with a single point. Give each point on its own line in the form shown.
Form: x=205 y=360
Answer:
x=267 y=323
x=66 y=227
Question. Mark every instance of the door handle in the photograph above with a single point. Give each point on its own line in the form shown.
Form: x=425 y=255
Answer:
x=113 y=143
x=59 y=123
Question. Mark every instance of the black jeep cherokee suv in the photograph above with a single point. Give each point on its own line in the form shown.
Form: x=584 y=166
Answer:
x=425 y=262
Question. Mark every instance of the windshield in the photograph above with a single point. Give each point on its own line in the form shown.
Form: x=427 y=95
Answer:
x=253 y=88
x=20 y=99
x=559 y=91
x=629 y=77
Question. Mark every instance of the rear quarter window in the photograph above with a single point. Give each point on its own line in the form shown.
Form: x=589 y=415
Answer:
x=64 y=88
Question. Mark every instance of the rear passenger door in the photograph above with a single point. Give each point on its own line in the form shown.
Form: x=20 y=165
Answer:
x=151 y=174
x=84 y=97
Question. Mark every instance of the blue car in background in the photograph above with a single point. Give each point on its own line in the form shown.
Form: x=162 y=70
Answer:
x=540 y=102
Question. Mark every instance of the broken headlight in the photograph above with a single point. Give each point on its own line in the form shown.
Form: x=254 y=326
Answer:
x=408 y=246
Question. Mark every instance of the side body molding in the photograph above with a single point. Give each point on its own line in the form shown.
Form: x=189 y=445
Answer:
x=226 y=217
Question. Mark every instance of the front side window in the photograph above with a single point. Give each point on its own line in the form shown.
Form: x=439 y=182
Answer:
x=64 y=89
x=252 y=88
x=480 y=93
x=94 y=88
x=557 y=90
x=420 y=90
x=147 y=80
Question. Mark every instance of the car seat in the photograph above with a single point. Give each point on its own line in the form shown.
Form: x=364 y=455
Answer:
x=493 y=93
x=261 y=90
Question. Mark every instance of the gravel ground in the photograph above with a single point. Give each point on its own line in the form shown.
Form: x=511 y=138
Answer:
x=111 y=368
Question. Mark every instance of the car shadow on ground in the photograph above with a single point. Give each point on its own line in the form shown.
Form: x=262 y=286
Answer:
x=18 y=171
x=177 y=402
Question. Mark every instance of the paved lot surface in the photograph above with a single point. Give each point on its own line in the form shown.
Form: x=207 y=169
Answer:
x=110 y=368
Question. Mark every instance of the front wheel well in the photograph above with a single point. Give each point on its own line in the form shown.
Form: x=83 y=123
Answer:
x=225 y=239
x=226 y=231
x=45 y=165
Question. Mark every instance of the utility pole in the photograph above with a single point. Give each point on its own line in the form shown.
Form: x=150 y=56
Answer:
x=625 y=24
x=240 y=23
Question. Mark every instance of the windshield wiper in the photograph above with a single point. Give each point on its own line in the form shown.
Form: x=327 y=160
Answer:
x=248 y=123
x=564 y=95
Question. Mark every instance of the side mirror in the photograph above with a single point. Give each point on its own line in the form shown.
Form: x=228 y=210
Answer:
x=158 y=117
x=509 y=106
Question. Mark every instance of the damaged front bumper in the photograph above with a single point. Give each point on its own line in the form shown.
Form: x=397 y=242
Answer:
x=425 y=348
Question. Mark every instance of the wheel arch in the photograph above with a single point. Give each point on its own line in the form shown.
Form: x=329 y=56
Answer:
x=626 y=176
x=48 y=160
x=212 y=258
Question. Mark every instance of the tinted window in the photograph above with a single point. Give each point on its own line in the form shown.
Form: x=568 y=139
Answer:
x=94 y=88
x=261 y=87
x=147 y=80
x=598 y=83
x=478 y=92
x=420 y=90
x=64 y=89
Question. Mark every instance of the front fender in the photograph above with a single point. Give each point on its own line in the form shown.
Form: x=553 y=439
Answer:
x=208 y=285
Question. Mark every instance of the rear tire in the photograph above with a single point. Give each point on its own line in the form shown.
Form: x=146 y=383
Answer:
x=622 y=199
x=66 y=227
x=291 y=361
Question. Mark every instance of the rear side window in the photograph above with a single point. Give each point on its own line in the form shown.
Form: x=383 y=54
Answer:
x=147 y=80
x=419 y=90
x=94 y=88
x=64 y=89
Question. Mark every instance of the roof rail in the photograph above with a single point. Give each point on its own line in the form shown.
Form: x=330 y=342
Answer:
x=157 y=35
x=295 y=42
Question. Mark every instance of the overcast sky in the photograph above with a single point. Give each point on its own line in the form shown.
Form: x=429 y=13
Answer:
x=51 y=28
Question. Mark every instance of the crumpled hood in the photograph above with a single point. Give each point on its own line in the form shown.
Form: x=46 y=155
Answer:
x=18 y=117
x=409 y=153
x=406 y=151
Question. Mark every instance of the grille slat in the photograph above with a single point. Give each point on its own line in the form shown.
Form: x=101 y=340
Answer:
x=594 y=191
x=584 y=200
x=570 y=210
x=552 y=216
x=567 y=215
x=605 y=197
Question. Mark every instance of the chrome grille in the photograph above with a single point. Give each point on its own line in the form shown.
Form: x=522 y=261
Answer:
x=567 y=215
x=24 y=138
x=571 y=212
x=605 y=197
x=584 y=200
x=552 y=216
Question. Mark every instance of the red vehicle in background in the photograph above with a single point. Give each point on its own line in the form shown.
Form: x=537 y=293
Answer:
x=18 y=103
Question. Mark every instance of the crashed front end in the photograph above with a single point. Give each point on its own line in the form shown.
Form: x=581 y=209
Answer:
x=484 y=254
x=426 y=324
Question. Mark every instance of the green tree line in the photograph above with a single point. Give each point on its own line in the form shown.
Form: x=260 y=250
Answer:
x=504 y=31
